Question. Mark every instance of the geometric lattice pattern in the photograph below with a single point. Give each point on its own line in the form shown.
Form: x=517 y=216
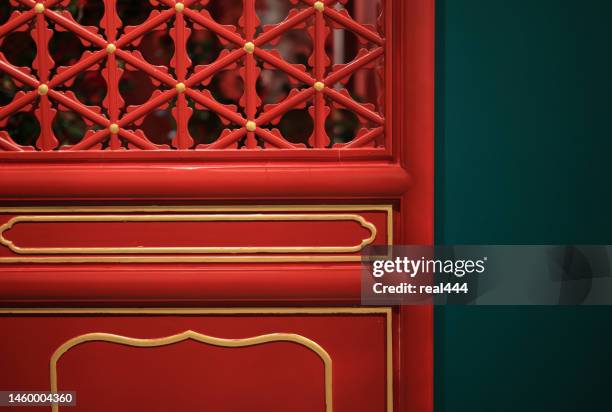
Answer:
x=248 y=48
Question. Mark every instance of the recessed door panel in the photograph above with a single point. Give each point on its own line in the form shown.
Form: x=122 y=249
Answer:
x=224 y=360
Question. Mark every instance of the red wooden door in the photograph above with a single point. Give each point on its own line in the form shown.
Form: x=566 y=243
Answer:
x=185 y=191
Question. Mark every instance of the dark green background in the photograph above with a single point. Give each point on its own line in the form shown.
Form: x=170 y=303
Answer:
x=523 y=147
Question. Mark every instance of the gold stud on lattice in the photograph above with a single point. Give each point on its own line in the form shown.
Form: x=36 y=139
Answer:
x=249 y=47
x=43 y=89
x=113 y=128
x=319 y=6
x=111 y=48
x=39 y=8
x=180 y=87
x=179 y=7
x=251 y=126
x=318 y=86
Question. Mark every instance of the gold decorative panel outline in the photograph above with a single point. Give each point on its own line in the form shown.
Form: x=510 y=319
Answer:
x=387 y=312
x=187 y=218
x=198 y=337
x=209 y=214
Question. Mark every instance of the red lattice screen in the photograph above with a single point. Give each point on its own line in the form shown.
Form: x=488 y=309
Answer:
x=183 y=85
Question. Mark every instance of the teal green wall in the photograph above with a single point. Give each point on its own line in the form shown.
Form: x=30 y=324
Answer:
x=523 y=156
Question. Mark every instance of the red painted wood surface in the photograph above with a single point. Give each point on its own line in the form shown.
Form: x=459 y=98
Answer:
x=191 y=376
x=248 y=182
x=396 y=169
x=180 y=285
x=290 y=229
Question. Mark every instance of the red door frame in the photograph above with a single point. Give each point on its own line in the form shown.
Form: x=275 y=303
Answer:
x=404 y=179
x=415 y=50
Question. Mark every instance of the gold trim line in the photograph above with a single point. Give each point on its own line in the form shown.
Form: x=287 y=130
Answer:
x=188 y=218
x=240 y=256
x=198 y=337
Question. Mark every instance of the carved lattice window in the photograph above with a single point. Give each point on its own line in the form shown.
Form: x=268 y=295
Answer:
x=198 y=74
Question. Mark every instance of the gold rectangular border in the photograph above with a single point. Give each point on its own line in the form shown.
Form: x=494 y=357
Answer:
x=388 y=209
x=388 y=312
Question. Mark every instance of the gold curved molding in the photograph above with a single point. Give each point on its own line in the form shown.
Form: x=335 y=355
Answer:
x=210 y=340
x=187 y=218
x=387 y=209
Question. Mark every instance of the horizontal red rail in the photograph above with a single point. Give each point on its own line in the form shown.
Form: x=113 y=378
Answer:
x=254 y=181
